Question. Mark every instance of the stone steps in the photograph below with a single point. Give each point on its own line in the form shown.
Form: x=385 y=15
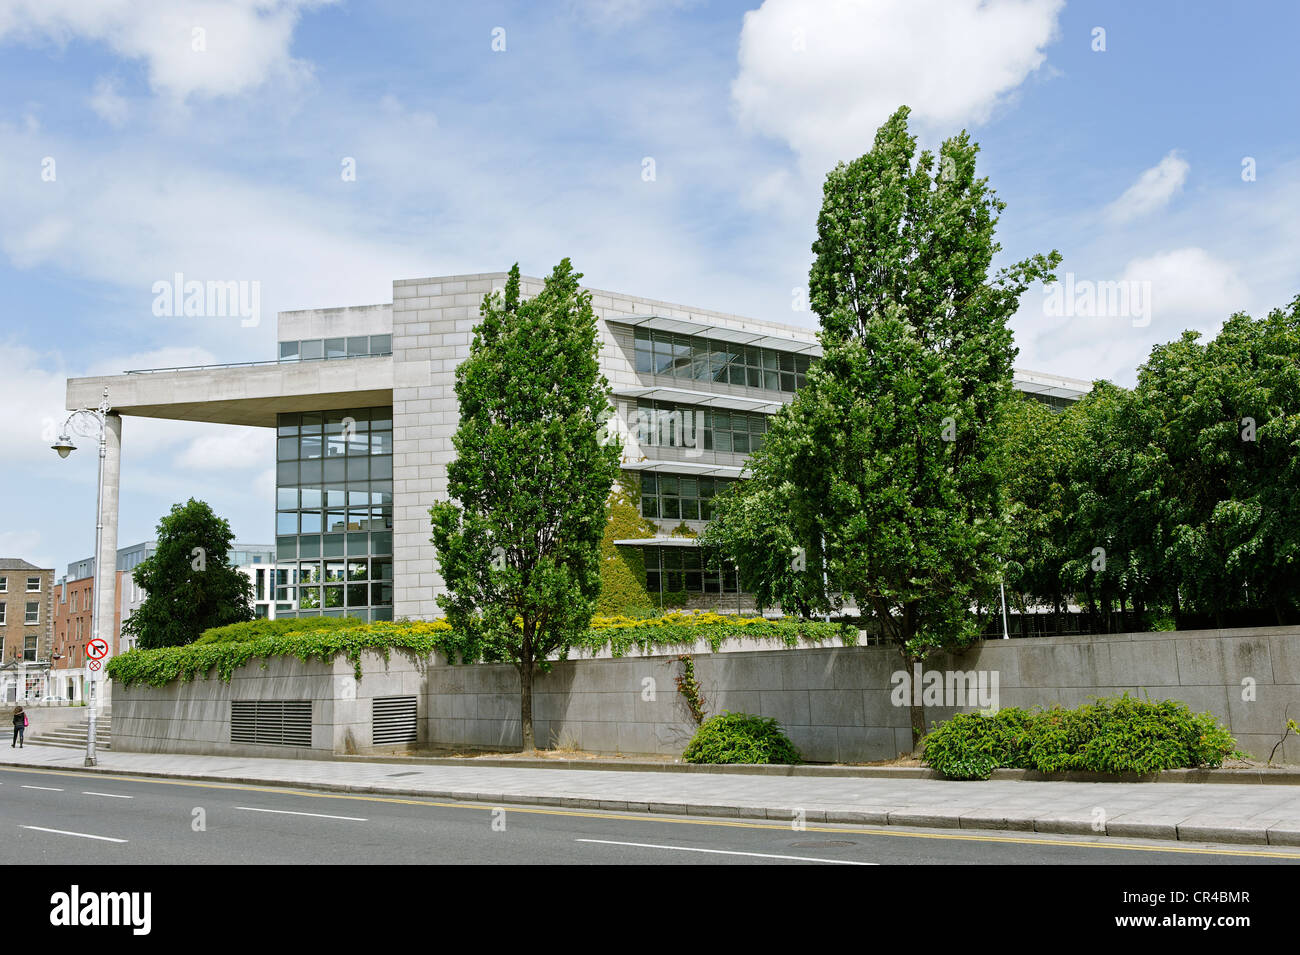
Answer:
x=74 y=736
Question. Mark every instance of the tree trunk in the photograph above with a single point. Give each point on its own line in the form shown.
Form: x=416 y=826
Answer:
x=918 y=726
x=916 y=709
x=526 y=707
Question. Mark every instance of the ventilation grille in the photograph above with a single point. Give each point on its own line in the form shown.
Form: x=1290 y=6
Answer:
x=273 y=722
x=394 y=720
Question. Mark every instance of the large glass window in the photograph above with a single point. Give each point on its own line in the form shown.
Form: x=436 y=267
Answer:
x=699 y=358
x=667 y=425
x=675 y=497
x=675 y=570
x=334 y=512
x=317 y=349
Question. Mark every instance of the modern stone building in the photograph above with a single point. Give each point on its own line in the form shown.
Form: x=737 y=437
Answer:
x=363 y=404
x=26 y=629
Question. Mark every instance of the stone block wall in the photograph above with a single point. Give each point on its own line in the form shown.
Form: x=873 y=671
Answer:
x=836 y=703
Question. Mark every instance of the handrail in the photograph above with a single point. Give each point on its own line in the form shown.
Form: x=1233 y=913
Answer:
x=249 y=364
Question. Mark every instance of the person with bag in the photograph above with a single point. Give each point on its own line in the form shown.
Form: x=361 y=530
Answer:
x=20 y=726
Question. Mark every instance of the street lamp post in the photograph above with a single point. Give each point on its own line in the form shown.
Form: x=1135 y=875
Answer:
x=87 y=422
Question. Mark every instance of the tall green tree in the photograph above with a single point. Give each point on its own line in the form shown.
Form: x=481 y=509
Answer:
x=1222 y=424
x=188 y=581
x=774 y=562
x=1041 y=445
x=890 y=455
x=519 y=541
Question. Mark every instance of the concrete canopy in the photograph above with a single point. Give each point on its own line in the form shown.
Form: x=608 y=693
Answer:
x=249 y=395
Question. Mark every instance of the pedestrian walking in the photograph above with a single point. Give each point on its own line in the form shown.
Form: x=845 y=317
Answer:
x=20 y=726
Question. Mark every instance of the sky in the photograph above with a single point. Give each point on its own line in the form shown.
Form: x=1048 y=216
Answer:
x=672 y=149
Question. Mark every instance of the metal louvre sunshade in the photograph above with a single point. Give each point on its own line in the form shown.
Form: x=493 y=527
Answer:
x=723 y=333
x=706 y=399
x=684 y=467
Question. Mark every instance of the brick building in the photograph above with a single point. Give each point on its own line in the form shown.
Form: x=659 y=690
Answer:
x=26 y=629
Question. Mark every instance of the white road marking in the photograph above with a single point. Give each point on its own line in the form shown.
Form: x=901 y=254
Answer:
x=108 y=795
x=290 y=812
x=83 y=835
x=726 y=852
x=48 y=789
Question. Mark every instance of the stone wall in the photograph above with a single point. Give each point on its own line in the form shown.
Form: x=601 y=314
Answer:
x=834 y=702
x=195 y=717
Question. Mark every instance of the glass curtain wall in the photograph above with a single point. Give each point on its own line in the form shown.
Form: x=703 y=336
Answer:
x=334 y=513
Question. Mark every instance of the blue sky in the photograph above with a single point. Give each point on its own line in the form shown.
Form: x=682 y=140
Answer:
x=224 y=163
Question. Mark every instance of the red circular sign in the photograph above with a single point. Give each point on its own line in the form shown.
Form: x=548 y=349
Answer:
x=95 y=664
x=97 y=649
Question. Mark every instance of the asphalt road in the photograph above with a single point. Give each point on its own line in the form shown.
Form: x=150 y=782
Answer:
x=71 y=818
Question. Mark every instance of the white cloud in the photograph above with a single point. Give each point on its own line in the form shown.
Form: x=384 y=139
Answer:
x=108 y=103
x=227 y=448
x=1190 y=288
x=612 y=13
x=824 y=76
x=24 y=546
x=1179 y=289
x=188 y=46
x=1152 y=191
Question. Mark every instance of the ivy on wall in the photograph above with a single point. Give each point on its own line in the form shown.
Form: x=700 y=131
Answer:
x=622 y=569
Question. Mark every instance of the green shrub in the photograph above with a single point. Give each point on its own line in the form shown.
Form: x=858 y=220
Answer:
x=1115 y=735
x=252 y=629
x=971 y=745
x=740 y=738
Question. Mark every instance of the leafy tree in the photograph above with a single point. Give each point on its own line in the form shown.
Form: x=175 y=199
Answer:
x=519 y=543
x=1223 y=428
x=188 y=581
x=751 y=526
x=891 y=453
x=1041 y=447
x=1112 y=554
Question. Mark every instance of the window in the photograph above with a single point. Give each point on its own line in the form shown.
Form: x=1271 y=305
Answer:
x=664 y=424
x=334 y=503
x=33 y=585
x=4 y=585
x=2 y=614
x=678 y=570
x=679 y=497
x=29 y=648
x=318 y=349
x=700 y=358
x=33 y=615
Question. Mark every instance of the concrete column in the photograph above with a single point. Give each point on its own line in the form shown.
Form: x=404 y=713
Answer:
x=106 y=559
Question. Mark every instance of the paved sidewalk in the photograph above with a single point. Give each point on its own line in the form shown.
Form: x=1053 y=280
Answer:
x=1194 y=812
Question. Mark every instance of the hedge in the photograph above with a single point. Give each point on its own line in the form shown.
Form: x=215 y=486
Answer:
x=226 y=649
x=1111 y=735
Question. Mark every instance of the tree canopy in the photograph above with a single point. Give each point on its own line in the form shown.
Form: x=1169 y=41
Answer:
x=188 y=581
x=519 y=541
